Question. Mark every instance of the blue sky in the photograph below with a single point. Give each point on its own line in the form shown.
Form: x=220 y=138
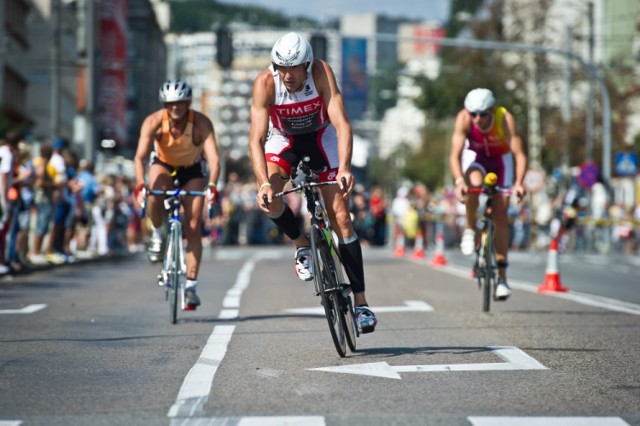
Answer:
x=328 y=9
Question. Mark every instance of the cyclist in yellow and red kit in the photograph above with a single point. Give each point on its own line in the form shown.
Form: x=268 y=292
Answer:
x=485 y=140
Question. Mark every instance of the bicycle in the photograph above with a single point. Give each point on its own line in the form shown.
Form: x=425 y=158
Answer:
x=329 y=281
x=485 y=266
x=173 y=274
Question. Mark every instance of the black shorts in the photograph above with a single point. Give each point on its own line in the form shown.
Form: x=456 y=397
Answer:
x=182 y=174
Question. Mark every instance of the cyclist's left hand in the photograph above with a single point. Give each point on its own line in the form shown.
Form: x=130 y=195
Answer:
x=520 y=192
x=212 y=194
x=350 y=182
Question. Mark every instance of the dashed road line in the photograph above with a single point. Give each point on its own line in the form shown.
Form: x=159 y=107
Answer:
x=26 y=310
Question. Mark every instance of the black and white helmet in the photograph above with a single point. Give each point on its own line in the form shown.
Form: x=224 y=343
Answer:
x=290 y=50
x=175 y=91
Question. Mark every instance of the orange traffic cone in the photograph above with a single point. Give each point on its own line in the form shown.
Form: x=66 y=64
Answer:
x=552 y=278
x=399 y=249
x=418 y=247
x=438 y=258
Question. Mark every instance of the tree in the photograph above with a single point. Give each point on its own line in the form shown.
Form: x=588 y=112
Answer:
x=202 y=15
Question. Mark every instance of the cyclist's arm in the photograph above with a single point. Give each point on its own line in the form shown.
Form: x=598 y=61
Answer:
x=328 y=88
x=517 y=148
x=263 y=94
x=458 y=139
x=145 y=144
x=210 y=146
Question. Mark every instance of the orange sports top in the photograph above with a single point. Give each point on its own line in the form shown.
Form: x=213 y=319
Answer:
x=181 y=151
x=492 y=142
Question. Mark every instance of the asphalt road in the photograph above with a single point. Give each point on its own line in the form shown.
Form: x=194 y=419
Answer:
x=92 y=345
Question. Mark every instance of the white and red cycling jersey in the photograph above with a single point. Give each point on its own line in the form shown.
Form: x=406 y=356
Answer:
x=297 y=113
x=299 y=126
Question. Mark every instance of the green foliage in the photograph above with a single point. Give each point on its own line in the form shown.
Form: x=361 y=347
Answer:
x=460 y=11
x=203 y=15
x=430 y=164
x=7 y=124
x=382 y=89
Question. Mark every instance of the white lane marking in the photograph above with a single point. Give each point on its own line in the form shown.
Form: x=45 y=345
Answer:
x=11 y=422
x=574 y=296
x=231 y=301
x=546 y=421
x=253 y=421
x=410 y=306
x=515 y=359
x=194 y=393
x=26 y=310
x=196 y=387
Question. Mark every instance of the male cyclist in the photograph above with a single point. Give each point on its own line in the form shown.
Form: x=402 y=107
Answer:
x=298 y=111
x=174 y=139
x=485 y=140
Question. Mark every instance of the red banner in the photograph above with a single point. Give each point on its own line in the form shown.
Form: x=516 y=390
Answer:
x=111 y=96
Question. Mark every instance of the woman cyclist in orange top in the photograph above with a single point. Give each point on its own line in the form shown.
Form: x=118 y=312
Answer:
x=176 y=138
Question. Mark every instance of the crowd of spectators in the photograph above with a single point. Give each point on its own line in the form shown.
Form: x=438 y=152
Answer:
x=54 y=209
x=583 y=220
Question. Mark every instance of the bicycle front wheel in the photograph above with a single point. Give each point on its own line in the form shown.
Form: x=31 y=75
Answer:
x=488 y=274
x=174 y=276
x=329 y=288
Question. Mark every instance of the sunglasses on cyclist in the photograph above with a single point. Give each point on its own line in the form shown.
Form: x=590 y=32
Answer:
x=479 y=113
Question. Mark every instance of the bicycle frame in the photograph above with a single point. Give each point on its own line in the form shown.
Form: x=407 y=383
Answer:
x=328 y=275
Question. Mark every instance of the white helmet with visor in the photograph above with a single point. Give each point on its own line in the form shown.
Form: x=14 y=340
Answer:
x=175 y=91
x=290 y=50
x=479 y=100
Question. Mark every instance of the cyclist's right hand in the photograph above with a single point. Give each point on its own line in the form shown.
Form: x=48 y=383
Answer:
x=140 y=194
x=460 y=191
x=264 y=197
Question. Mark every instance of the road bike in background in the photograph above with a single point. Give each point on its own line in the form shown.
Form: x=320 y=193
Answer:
x=173 y=274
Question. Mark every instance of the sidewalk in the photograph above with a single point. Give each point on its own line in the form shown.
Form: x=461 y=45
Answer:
x=80 y=259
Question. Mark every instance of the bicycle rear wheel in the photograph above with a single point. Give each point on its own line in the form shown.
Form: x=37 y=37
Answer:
x=329 y=289
x=349 y=320
x=344 y=296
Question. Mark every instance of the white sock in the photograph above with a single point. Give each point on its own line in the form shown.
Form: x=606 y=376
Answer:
x=157 y=232
x=191 y=284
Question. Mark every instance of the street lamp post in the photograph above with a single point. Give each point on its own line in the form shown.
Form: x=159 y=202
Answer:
x=55 y=69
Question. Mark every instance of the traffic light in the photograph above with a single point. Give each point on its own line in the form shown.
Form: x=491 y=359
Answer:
x=319 y=46
x=224 y=47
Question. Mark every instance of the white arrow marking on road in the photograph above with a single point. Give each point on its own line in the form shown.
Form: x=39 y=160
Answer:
x=514 y=357
x=26 y=310
x=410 y=306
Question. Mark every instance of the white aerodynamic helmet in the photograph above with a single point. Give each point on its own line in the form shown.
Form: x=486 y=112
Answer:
x=290 y=50
x=175 y=91
x=479 y=100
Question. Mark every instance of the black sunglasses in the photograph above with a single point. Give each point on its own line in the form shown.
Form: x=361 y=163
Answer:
x=479 y=113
